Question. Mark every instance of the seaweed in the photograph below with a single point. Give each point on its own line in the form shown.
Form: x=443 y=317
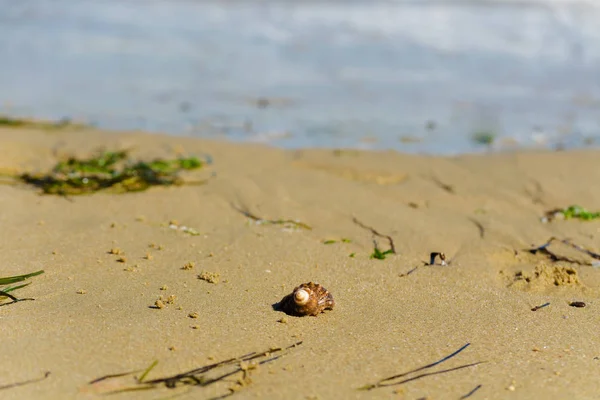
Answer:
x=377 y=252
x=333 y=241
x=544 y=249
x=471 y=392
x=198 y=377
x=393 y=380
x=570 y=212
x=27 y=382
x=63 y=123
x=12 y=122
x=5 y=291
x=540 y=306
x=289 y=223
x=110 y=170
x=483 y=137
x=442 y=185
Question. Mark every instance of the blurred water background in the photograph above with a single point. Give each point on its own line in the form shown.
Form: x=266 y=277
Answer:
x=440 y=77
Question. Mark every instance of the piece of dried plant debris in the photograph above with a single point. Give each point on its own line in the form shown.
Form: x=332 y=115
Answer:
x=231 y=375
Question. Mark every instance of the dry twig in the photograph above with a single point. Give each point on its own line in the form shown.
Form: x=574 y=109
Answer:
x=27 y=382
x=375 y=233
x=555 y=257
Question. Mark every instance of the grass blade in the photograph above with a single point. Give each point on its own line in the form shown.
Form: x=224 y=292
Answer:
x=19 y=278
x=147 y=371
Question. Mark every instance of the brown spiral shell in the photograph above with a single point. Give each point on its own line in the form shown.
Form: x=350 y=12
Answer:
x=307 y=299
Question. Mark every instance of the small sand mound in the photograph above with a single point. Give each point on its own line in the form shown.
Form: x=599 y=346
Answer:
x=546 y=276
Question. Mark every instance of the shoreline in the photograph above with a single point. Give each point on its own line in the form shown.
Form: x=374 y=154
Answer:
x=68 y=124
x=94 y=315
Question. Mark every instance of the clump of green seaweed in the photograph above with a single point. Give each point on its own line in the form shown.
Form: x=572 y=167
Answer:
x=9 y=280
x=64 y=123
x=333 y=241
x=379 y=254
x=109 y=170
x=571 y=212
x=483 y=137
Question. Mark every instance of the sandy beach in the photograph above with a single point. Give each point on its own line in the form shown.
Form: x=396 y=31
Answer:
x=94 y=312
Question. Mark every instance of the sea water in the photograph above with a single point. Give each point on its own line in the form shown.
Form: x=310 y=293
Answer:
x=417 y=76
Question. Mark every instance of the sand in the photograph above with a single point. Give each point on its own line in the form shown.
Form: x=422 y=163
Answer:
x=94 y=315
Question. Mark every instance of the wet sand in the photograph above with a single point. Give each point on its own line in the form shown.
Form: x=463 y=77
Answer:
x=94 y=315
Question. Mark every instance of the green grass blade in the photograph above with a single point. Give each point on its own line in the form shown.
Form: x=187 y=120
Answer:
x=147 y=371
x=19 y=278
x=10 y=289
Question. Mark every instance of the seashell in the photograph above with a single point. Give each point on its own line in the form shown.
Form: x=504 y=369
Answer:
x=307 y=299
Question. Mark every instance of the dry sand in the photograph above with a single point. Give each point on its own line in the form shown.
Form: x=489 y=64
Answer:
x=92 y=317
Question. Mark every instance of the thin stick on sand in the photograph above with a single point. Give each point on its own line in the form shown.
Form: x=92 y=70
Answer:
x=375 y=233
x=387 y=381
x=27 y=382
x=471 y=393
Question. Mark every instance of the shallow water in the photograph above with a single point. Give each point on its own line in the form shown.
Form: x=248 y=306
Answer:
x=411 y=76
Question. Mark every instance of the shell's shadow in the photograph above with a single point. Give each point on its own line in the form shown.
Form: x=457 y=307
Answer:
x=277 y=306
x=281 y=306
